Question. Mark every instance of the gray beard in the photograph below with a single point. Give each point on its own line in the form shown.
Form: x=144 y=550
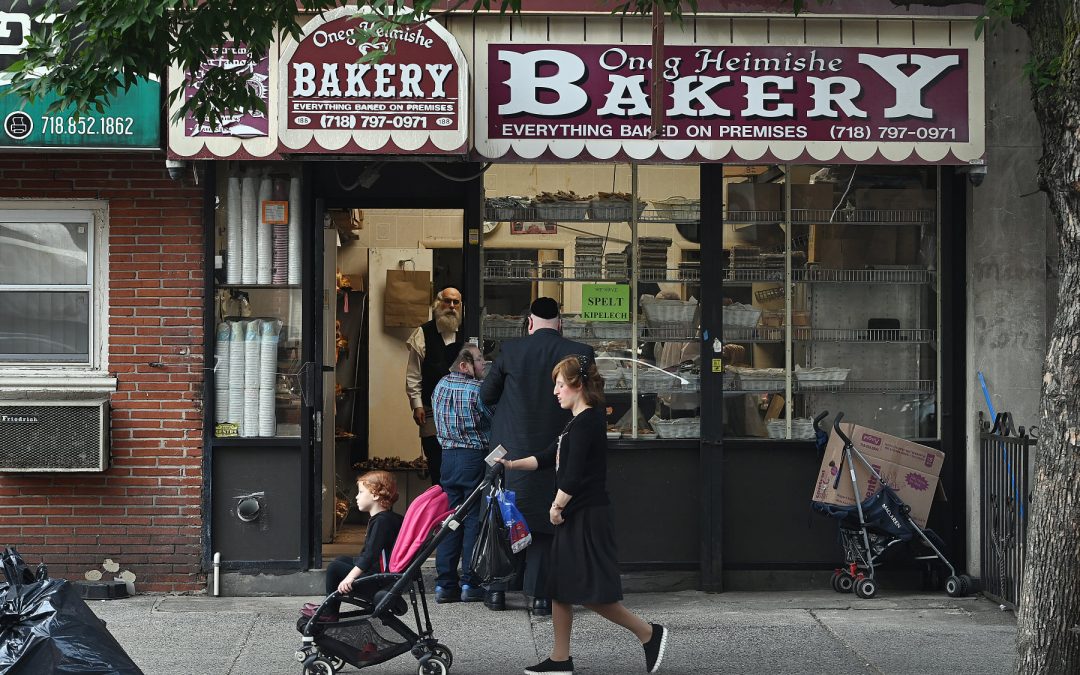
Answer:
x=447 y=323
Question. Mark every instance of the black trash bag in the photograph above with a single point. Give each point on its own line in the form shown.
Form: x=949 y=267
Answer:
x=492 y=559
x=45 y=627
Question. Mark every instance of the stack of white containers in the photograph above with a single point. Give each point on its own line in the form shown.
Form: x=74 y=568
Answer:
x=221 y=372
x=249 y=426
x=236 y=372
x=294 y=231
x=233 y=232
x=249 y=224
x=268 y=344
x=263 y=249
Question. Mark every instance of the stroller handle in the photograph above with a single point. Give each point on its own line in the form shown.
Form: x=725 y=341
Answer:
x=838 y=430
x=817 y=420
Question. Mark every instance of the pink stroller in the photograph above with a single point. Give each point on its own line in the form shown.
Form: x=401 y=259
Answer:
x=368 y=630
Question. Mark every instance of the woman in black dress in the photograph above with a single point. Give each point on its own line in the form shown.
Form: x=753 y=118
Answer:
x=583 y=556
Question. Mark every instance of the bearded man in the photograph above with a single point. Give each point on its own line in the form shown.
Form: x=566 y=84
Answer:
x=432 y=349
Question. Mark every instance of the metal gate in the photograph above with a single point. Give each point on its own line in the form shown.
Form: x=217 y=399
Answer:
x=1006 y=454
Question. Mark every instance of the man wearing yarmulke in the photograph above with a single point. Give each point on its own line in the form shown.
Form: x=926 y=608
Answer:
x=527 y=420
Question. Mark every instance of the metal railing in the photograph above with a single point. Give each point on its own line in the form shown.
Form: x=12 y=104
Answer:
x=1005 y=496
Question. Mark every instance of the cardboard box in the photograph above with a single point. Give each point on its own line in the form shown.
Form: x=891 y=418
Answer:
x=910 y=469
x=755 y=197
x=906 y=248
x=816 y=196
x=853 y=247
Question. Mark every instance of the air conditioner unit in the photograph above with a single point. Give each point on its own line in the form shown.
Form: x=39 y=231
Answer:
x=50 y=436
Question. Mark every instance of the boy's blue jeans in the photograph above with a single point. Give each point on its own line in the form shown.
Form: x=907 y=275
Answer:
x=462 y=470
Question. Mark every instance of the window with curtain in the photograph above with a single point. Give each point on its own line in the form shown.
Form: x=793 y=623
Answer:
x=46 y=286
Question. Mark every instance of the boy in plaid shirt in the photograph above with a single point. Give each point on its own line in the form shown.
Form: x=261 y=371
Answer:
x=463 y=427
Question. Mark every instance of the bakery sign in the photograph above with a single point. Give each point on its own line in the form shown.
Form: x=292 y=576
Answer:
x=414 y=99
x=733 y=103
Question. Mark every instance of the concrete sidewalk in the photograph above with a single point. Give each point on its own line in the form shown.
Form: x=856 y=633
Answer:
x=810 y=633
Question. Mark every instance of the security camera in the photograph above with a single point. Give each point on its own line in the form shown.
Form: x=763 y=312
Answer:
x=977 y=174
x=176 y=168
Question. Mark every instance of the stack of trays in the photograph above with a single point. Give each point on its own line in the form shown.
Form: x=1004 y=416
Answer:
x=745 y=256
x=588 y=257
x=690 y=270
x=615 y=266
x=654 y=252
x=552 y=269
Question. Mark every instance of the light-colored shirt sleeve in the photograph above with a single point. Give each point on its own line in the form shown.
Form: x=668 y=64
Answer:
x=413 y=377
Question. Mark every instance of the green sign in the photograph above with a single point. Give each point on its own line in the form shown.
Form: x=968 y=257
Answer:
x=605 y=302
x=132 y=120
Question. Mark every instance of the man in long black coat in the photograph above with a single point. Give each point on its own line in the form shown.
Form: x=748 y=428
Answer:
x=528 y=419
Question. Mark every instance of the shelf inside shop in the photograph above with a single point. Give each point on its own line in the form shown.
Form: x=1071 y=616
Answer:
x=649 y=387
x=901 y=335
x=499 y=274
x=756 y=334
x=904 y=275
x=835 y=217
x=845 y=387
x=531 y=214
x=260 y=286
x=751 y=275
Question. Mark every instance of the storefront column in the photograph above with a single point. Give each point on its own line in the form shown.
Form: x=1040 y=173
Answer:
x=712 y=395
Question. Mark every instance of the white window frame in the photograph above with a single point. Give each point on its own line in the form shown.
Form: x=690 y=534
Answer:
x=92 y=375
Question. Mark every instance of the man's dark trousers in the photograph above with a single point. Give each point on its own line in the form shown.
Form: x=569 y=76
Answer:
x=462 y=470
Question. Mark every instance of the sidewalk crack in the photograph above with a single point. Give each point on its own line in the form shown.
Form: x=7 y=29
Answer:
x=847 y=645
x=243 y=643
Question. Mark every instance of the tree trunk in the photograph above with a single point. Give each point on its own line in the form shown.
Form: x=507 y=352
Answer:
x=1048 y=625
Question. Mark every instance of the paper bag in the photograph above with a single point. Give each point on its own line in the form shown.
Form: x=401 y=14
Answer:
x=407 y=298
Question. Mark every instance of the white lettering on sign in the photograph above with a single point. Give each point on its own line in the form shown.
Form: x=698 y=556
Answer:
x=524 y=83
x=909 y=88
x=384 y=80
x=757 y=97
x=825 y=97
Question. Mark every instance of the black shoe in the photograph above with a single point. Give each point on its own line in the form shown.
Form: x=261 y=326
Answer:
x=654 y=648
x=541 y=607
x=445 y=595
x=495 y=601
x=549 y=667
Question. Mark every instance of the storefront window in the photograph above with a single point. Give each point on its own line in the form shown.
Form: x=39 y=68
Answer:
x=47 y=286
x=830 y=299
x=257 y=361
x=571 y=232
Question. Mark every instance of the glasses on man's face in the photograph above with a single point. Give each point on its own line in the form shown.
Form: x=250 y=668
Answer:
x=450 y=301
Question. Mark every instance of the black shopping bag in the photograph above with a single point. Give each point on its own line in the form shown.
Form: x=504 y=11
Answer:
x=492 y=559
x=45 y=627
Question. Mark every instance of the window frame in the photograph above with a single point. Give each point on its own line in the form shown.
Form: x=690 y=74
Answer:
x=13 y=372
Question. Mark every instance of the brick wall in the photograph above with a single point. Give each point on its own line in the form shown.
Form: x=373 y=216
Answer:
x=144 y=512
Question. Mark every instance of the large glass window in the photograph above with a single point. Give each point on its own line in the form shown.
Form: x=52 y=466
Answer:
x=830 y=301
x=257 y=363
x=46 y=286
x=627 y=275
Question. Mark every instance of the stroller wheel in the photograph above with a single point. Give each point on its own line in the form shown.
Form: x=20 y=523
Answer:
x=958 y=587
x=336 y=662
x=432 y=665
x=318 y=665
x=444 y=653
x=866 y=588
x=843 y=582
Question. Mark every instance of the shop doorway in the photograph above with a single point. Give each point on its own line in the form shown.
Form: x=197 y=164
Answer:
x=367 y=417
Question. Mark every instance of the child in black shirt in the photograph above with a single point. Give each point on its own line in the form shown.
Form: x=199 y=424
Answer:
x=376 y=494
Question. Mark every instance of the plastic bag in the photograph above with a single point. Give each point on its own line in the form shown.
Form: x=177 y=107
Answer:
x=45 y=627
x=492 y=559
x=517 y=528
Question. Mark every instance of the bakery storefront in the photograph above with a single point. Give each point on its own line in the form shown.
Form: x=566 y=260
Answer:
x=775 y=245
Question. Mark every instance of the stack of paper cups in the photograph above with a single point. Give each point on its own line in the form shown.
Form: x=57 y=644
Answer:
x=249 y=223
x=263 y=249
x=221 y=372
x=294 y=231
x=236 y=372
x=268 y=342
x=233 y=232
x=252 y=357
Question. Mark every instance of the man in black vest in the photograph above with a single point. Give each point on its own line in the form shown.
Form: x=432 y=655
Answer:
x=432 y=349
x=527 y=419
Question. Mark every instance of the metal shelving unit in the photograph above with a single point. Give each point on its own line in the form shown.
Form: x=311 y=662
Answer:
x=531 y=214
x=914 y=387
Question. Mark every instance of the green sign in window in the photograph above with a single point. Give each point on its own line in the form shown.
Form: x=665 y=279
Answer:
x=132 y=120
x=605 y=302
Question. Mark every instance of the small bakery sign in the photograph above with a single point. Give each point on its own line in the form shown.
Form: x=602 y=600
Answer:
x=414 y=99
